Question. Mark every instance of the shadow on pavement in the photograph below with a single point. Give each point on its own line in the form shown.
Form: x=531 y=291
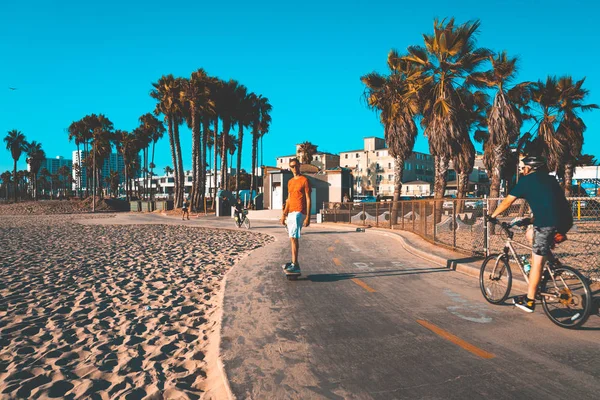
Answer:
x=370 y=274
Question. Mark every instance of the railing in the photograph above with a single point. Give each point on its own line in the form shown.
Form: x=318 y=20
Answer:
x=458 y=225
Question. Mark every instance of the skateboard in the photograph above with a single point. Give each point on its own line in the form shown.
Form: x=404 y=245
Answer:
x=291 y=276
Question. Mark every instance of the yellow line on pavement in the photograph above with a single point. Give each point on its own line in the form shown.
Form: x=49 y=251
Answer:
x=337 y=261
x=456 y=340
x=337 y=241
x=363 y=285
x=330 y=248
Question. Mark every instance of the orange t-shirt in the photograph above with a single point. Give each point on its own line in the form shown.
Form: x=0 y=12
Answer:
x=297 y=194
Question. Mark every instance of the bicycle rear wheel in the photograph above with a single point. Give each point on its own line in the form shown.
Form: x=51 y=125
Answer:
x=567 y=300
x=246 y=223
x=495 y=278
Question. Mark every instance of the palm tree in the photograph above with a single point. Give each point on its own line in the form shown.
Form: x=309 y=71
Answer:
x=6 y=181
x=128 y=145
x=76 y=132
x=195 y=99
x=243 y=116
x=166 y=92
x=504 y=119
x=16 y=144
x=230 y=99
x=449 y=57
x=168 y=170
x=217 y=94
x=571 y=127
x=45 y=178
x=261 y=122
x=546 y=98
x=307 y=150
x=395 y=98
x=65 y=173
x=35 y=157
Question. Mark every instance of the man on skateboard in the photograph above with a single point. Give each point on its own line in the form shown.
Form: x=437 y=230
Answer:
x=296 y=213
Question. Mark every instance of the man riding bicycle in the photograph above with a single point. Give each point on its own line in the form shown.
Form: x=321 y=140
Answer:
x=552 y=216
x=239 y=211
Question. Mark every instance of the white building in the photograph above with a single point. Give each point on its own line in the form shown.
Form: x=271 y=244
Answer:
x=164 y=185
x=53 y=164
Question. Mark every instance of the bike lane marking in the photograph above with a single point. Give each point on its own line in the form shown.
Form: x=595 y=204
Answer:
x=456 y=340
x=331 y=249
x=363 y=285
x=359 y=282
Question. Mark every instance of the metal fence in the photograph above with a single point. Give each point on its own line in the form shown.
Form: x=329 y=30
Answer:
x=458 y=225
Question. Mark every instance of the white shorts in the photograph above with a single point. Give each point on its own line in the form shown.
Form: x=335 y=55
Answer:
x=294 y=224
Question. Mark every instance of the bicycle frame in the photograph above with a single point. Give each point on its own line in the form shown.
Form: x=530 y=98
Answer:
x=551 y=261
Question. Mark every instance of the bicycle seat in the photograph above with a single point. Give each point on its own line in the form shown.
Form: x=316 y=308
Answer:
x=559 y=238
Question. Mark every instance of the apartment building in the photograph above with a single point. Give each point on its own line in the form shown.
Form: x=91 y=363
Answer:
x=373 y=168
x=53 y=164
x=323 y=160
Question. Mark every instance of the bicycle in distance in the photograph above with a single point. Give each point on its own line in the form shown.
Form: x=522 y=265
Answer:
x=564 y=292
x=243 y=219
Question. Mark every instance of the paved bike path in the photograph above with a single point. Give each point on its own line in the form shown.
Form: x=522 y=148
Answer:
x=371 y=320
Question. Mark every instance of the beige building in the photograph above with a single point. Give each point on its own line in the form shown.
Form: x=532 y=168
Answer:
x=323 y=160
x=373 y=168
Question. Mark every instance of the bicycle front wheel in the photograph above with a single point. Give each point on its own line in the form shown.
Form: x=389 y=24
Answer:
x=567 y=300
x=495 y=278
x=246 y=223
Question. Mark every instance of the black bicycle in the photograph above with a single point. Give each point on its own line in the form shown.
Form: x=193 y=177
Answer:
x=243 y=220
x=565 y=294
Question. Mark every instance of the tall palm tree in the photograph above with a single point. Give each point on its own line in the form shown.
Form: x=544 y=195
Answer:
x=166 y=92
x=16 y=144
x=35 y=157
x=450 y=55
x=65 y=173
x=546 y=97
x=504 y=119
x=395 y=99
x=195 y=99
x=76 y=132
x=6 y=181
x=571 y=127
x=261 y=122
x=243 y=117
x=217 y=95
x=128 y=145
x=307 y=150
x=227 y=111
x=45 y=178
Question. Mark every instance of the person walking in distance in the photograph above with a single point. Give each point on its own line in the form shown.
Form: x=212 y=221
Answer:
x=185 y=210
x=552 y=218
x=296 y=212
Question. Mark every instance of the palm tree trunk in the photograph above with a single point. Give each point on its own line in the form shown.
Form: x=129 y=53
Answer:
x=173 y=159
x=203 y=158
x=195 y=149
x=568 y=178
x=462 y=186
x=239 y=158
x=180 y=165
x=216 y=138
x=398 y=172
x=16 y=182
x=253 y=161
x=439 y=186
x=226 y=128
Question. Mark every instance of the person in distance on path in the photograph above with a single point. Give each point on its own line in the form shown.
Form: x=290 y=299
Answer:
x=296 y=212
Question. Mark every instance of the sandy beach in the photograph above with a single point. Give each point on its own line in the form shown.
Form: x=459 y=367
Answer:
x=109 y=311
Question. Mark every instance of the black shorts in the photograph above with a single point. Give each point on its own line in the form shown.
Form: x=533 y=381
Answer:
x=543 y=239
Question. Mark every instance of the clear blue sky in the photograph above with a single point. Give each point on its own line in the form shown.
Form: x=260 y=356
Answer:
x=72 y=58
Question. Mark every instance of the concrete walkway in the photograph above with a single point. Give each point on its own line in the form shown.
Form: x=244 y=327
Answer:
x=380 y=315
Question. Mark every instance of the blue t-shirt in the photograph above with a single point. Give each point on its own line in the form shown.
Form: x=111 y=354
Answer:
x=547 y=201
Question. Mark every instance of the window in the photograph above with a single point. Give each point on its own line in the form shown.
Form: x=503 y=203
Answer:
x=345 y=155
x=390 y=165
x=377 y=154
x=390 y=177
x=357 y=155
